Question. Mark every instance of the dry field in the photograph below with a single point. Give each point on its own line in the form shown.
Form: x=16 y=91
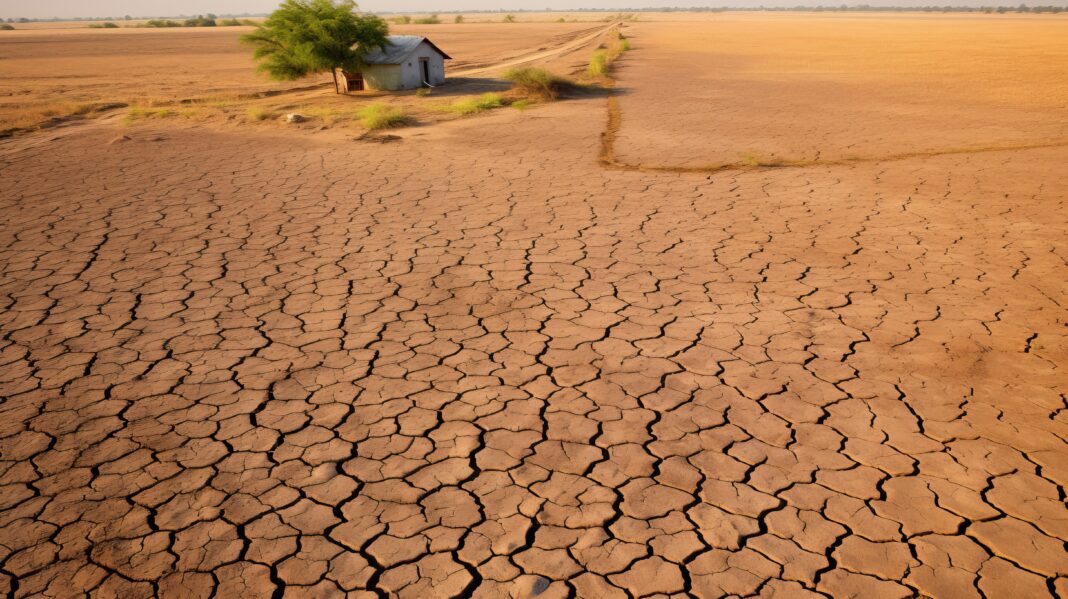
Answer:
x=55 y=73
x=785 y=315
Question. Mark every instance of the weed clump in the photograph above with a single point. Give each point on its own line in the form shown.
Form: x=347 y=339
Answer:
x=382 y=116
x=537 y=83
x=521 y=104
x=598 y=64
x=137 y=113
x=601 y=61
x=259 y=114
x=431 y=20
x=476 y=105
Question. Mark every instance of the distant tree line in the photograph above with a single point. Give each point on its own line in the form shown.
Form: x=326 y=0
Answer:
x=174 y=19
x=1021 y=8
x=230 y=20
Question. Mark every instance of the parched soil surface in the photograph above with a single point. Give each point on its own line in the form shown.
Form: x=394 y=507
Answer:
x=473 y=362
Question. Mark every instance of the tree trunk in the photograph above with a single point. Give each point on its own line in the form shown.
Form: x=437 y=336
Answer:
x=334 y=73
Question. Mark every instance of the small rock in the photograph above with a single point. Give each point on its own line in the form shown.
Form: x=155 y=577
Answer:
x=295 y=118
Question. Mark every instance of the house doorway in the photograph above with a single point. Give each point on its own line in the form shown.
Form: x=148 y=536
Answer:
x=424 y=68
x=353 y=81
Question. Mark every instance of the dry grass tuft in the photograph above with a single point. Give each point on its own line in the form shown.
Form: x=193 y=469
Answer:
x=383 y=116
x=538 y=84
x=259 y=114
x=476 y=105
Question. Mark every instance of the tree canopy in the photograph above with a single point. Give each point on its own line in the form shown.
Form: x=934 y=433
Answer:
x=304 y=37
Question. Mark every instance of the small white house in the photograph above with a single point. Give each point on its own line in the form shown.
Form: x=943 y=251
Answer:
x=408 y=62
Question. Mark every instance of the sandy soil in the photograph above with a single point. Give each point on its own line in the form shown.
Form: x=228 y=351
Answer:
x=827 y=87
x=475 y=362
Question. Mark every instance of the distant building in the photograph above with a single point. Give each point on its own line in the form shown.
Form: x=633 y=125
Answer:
x=409 y=62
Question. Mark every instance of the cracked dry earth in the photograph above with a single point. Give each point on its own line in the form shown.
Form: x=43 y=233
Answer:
x=477 y=364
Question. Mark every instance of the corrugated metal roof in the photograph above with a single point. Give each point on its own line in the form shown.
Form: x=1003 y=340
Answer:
x=401 y=46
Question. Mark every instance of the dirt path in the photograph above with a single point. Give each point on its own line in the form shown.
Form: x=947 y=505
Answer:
x=539 y=56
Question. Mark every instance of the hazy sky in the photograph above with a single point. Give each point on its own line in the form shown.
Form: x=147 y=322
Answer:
x=81 y=8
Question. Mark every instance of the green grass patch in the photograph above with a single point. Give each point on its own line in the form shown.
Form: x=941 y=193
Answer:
x=598 y=64
x=476 y=105
x=383 y=116
x=537 y=83
x=521 y=104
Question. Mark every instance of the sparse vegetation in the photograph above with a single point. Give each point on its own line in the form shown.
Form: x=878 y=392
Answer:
x=431 y=20
x=108 y=25
x=598 y=64
x=259 y=114
x=601 y=61
x=476 y=105
x=402 y=20
x=229 y=23
x=162 y=23
x=458 y=19
x=383 y=116
x=522 y=104
x=422 y=92
x=537 y=83
x=136 y=113
x=6 y=27
x=508 y=19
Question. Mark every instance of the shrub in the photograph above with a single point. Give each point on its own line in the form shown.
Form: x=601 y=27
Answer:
x=509 y=19
x=382 y=116
x=103 y=26
x=402 y=20
x=6 y=27
x=458 y=19
x=200 y=22
x=230 y=23
x=476 y=105
x=431 y=20
x=162 y=23
x=598 y=64
x=259 y=114
x=521 y=104
x=537 y=83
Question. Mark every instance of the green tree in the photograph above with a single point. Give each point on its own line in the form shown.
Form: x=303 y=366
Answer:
x=305 y=37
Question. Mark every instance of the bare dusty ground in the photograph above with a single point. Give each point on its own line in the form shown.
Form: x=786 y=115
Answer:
x=477 y=362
